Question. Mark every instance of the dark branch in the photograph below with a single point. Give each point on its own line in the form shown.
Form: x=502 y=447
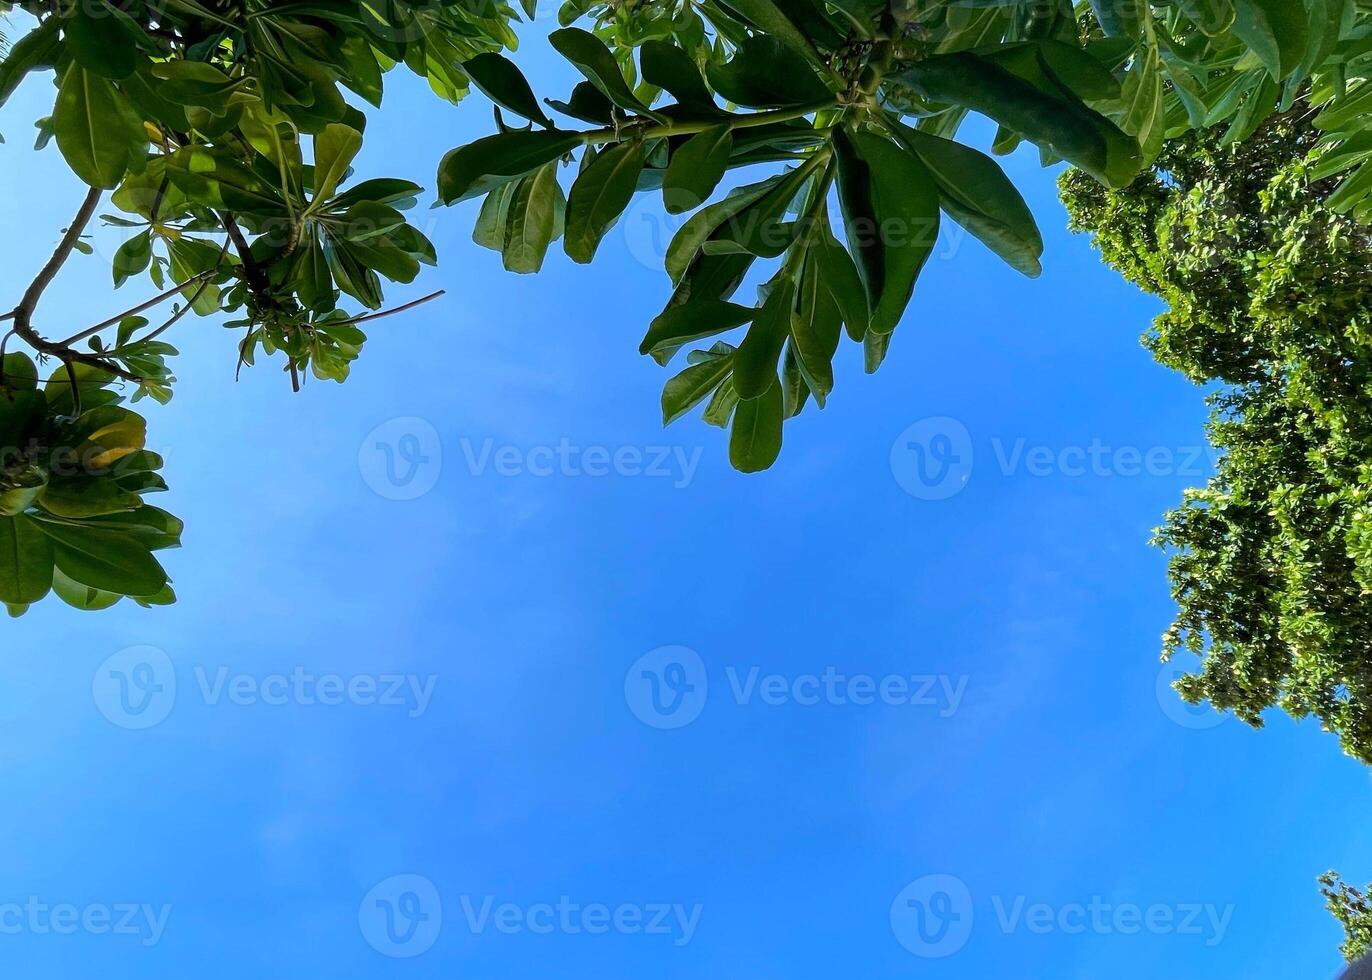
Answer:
x=23 y=313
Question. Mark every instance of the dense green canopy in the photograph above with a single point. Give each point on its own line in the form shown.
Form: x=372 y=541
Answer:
x=1352 y=908
x=1269 y=295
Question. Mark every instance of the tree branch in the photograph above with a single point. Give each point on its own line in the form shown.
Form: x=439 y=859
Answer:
x=23 y=313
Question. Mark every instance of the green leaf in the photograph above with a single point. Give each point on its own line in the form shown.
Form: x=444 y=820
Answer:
x=80 y=596
x=816 y=328
x=891 y=214
x=686 y=245
x=874 y=349
x=334 y=149
x=132 y=258
x=755 y=439
x=720 y=410
x=380 y=190
x=100 y=41
x=1144 y=116
x=588 y=104
x=766 y=74
x=755 y=364
x=599 y=197
x=26 y=558
x=673 y=70
x=85 y=496
x=795 y=393
x=214 y=179
x=679 y=325
x=90 y=381
x=490 y=222
x=1063 y=125
x=152 y=527
x=104 y=559
x=1121 y=18
x=97 y=128
x=976 y=193
x=534 y=213
x=696 y=169
x=839 y=274
x=1213 y=17
x=1276 y=30
x=766 y=15
x=35 y=51
x=189 y=258
x=693 y=385
x=479 y=168
x=763 y=229
x=594 y=60
x=501 y=81
x=18 y=373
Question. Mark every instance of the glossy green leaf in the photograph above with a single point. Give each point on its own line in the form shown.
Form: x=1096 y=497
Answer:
x=99 y=40
x=693 y=385
x=693 y=321
x=478 y=168
x=891 y=215
x=673 y=70
x=80 y=596
x=84 y=496
x=104 y=559
x=594 y=60
x=975 y=192
x=1065 y=127
x=501 y=81
x=36 y=50
x=599 y=196
x=97 y=129
x=755 y=363
x=770 y=18
x=755 y=437
x=1276 y=30
x=767 y=74
x=532 y=219
x=688 y=242
x=696 y=169
x=26 y=558
x=335 y=147
x=132 y=258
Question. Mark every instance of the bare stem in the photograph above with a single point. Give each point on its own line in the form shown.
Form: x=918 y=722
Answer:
x=399 y=309
x=134 y=311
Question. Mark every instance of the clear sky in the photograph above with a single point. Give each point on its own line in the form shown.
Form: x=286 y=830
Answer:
x=906 y=736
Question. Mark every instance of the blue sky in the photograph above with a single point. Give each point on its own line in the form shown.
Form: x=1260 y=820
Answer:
x=914 y=736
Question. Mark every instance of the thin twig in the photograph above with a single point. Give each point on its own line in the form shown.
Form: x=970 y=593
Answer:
x=190 y=304
x=161 y=297
x=399 y=309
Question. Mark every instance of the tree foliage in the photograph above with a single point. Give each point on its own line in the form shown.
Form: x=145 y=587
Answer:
x=811 y=142
x=1268 y=292
x=1353 y=909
